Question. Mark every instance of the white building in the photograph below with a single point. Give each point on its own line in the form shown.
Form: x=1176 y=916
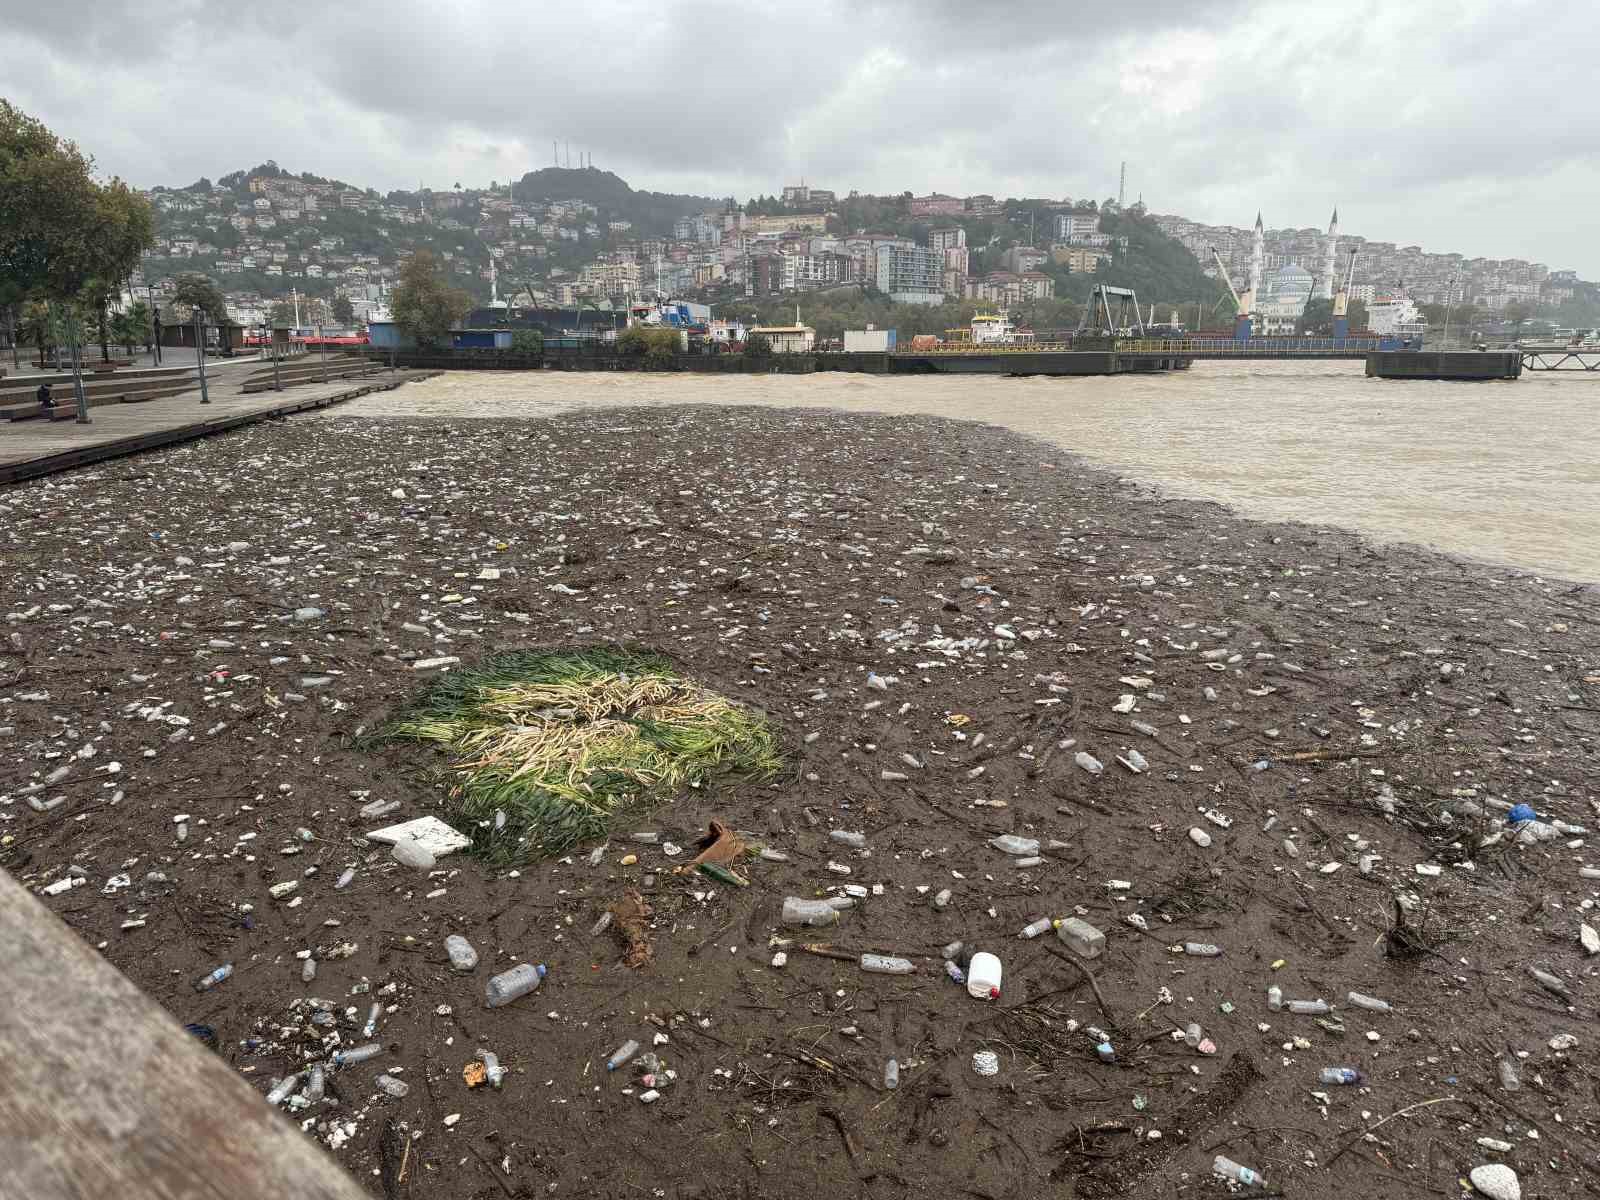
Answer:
x=910 y=274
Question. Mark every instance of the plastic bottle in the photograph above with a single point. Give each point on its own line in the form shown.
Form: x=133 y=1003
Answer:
x=371 y=1027
x=1034 y=929
x=624 y=1053
x=808 y=912
x=1508 y=1074
x=941 y=898
x=1017 y=847
x=1082 y=938
x=953 y=951
x=347 y=1058
x=847 y=837
x=462 y=956
x=1309 y=1008
x=1193 y=1033
x=891 y=1074
x=509 y=985
x=1229 y=1169
x=956 y=974
x=390 y=1086
x=1104 y=1051
x=491 y=1068
x=1201 y=949
x=1275 y=998
x=1339 y=1076
x=317 y=1085
x=884 y=964
x=308 y=970
x=1370 y=1003
x=206 y=982
x=344 y=879
x=284 y=1088
x=984 y=977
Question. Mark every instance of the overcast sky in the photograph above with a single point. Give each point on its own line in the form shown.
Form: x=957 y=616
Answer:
x=1467 y=125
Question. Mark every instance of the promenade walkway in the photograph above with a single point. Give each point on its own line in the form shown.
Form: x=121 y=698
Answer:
x=29 y=449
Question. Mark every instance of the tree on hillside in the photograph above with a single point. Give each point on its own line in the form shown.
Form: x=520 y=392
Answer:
x=282 y=314
x=343 y=311
x=198 y=292
x=425 y=306
x=1518 y=313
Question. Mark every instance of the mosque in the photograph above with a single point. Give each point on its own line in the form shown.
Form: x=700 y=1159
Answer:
x=1275 y=303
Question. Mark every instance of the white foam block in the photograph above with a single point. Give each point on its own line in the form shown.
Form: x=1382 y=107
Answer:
x=431 y=832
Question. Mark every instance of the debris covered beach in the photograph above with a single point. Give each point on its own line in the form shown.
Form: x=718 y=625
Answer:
x=1269 y=765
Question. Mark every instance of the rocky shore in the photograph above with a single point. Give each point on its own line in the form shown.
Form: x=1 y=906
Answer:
x=1274 y=740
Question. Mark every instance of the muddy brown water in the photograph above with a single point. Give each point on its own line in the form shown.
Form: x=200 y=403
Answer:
x=1501 y=472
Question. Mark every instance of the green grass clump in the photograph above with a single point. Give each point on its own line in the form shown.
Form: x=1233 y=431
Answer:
x=563 y=741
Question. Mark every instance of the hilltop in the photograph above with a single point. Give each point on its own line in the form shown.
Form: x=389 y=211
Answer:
x=649 y=212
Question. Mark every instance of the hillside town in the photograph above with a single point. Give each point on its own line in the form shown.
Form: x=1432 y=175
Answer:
x=270 y=237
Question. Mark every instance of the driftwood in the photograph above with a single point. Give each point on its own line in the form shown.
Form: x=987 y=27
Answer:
x=102 y=1093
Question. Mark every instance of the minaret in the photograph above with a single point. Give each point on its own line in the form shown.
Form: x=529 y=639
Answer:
x=494 y=284
x=1330 y=258
x=1247 y=302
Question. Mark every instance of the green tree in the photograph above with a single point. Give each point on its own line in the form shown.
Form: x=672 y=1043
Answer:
x=425 y=306
x=758 y=346
x=127 y=331
x=527 y=341
x=1317 y=317
x=343 y=311
x=198 y=291
x=657 y=346
x=282 y=314
x=1518 y=313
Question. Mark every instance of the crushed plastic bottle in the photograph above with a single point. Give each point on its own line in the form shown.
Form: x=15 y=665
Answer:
x=1275 y=998
x=206 y=982
x=462 y=956
x=1309 y=1008
x=390 y=1086
x=1089 y=762
x=317 y=1084
x=1507 y=1071
x=509 y=985
x=1370 y=1003
x=284 y=1088
x=1082 y=938
x=371 y=1027
x=308 y=970
x=808 y=912
x=891 y=1074
x=1201 y=949
x=846 y=837
x=1228 y=1169
x=624 y=1054
x=348 y=874
x=1339 y=1076
x=956 y=974
x=884 y=964
x=1010 y=843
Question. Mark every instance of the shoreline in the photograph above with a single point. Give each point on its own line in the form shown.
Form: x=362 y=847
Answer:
x=779 y=555
x=1427 y=464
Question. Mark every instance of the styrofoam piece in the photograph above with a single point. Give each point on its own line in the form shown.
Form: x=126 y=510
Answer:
x=433 y=833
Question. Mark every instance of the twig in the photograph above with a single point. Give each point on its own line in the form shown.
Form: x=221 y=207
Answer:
x=1094 y=984
x=1410 y=1108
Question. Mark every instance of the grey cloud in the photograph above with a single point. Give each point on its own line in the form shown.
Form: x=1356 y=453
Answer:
x=1461 y=130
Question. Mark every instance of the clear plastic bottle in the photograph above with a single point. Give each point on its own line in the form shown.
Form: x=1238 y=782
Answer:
x=344 y=879
x=808 y=912
x=884 y=964
x=1228 y=1169
x=1275 y=998
x=1035 y=928
x=891 y=1074
x=510 y=985
x=1309 y=1008
x=954 y=972
x=371 y=1027
x=1201 y=949
x=317 y=1084
x=206 y=982
x=848 y=837
x=625 y=1052
x=462 y=956
x=348 y=1058
x=308 y=970
x=284 y=1088
x=1370 y=1003
x=941 y=898
x=491 y=1068
x=1339 y=1076
x=1105 y=1052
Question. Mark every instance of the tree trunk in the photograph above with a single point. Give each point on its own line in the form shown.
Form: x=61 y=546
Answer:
x=105 y=346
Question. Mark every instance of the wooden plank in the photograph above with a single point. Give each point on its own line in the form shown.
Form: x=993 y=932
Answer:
x=102 y=1093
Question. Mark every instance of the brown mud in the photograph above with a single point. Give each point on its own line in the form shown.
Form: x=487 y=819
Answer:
x=1398 y=698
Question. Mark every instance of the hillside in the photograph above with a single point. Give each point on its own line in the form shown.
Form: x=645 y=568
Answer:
x=651 y=213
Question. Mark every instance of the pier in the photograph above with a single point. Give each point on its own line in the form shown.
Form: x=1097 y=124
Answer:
x=1445 y=364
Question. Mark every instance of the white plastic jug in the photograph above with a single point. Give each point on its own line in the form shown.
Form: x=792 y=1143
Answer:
x=983 y=977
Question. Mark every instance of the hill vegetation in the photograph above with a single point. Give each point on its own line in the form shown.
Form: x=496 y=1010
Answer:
x=652 y=213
